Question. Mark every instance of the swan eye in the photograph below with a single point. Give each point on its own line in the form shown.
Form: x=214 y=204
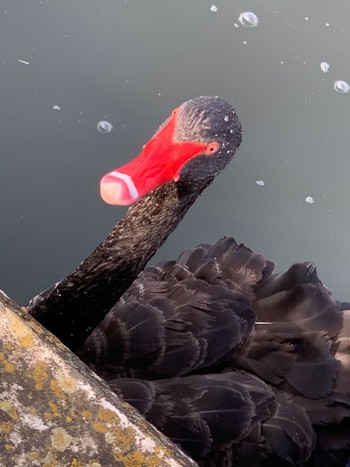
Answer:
x=211 y=148
x=174 y=112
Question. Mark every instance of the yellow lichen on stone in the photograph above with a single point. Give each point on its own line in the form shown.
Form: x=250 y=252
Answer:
x=121 y=439
x=54 y=409
x=66 y=383
x=9 y=408
x=6 y=427
x=7 y=366
x=56 y=389
x=107 y=415
x=60 y=439
x=136 y=458
x=72 y=415
x=75 y=463
x=100 y=427
x=48 y=416
x=24 y=335
x=139 y=459
x=9 y=447
x=39 y=374
x=86 y=414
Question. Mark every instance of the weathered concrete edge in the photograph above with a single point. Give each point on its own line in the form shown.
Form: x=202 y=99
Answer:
x=54 y=411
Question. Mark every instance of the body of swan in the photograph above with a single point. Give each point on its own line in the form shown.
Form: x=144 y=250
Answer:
x=234 y=363
x=237 y=365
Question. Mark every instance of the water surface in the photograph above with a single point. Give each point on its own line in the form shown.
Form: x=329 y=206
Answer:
x=66 y=66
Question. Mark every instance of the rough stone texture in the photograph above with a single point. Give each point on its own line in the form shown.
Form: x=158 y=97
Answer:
x=55 y=412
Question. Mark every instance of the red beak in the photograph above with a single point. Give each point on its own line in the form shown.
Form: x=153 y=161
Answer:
x=160 y=162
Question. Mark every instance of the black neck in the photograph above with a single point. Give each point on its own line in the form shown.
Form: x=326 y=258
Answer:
x=81 y=300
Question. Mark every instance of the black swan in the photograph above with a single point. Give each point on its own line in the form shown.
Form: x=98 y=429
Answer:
x=237 y=365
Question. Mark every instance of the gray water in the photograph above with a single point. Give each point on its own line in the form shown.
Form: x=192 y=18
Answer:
x=130 y=63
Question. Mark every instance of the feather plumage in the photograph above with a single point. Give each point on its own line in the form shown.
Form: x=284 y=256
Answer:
x=243 y=367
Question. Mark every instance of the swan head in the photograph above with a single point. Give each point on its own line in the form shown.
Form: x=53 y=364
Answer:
x=195 y=143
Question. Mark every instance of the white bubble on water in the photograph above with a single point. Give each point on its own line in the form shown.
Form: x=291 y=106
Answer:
x=104 y=127
x=341 y=87
x=214 y=8
x=309 y=200
x=248 y=19
x=324 y=66
x=56 y=107
x=260 y=182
